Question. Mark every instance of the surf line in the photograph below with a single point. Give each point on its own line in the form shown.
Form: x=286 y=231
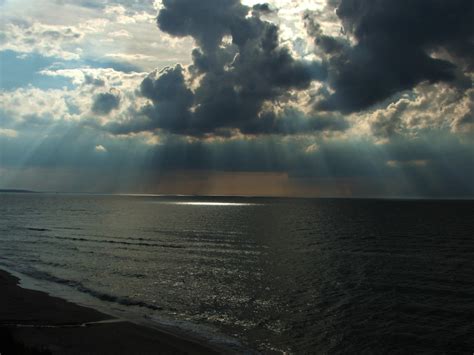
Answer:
x=74 y=325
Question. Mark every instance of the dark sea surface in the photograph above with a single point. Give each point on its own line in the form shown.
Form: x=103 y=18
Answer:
x=290 y=275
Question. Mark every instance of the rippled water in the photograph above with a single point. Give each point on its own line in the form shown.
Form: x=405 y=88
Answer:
x=321 y=276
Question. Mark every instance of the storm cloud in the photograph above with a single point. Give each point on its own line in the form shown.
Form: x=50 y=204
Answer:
x=238 y=68
x=398 y=44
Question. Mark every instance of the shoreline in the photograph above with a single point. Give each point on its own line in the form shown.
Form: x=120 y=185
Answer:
x=39 y=323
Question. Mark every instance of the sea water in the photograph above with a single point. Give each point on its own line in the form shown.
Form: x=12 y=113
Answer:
x=286 y=275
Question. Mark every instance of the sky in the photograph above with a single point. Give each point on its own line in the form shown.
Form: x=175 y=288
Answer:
x=336 y=98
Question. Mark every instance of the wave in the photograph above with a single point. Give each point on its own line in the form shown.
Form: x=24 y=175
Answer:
x=38 y=229
x=79 y=286
x=110 y=241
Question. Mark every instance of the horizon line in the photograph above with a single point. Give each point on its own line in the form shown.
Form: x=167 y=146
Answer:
x=131 y=194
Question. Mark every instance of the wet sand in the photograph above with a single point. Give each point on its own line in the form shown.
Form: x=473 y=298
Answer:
x=33 y=321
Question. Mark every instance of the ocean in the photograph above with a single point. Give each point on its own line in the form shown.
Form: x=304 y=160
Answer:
x=324 y=276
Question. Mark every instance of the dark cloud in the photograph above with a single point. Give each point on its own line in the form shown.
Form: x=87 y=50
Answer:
x=231 y=79
x=91 y=80
x=105 y=102
x=171 y=98
x=292 y=121
x=264 y=8
x=206 y=21
x=395 y=46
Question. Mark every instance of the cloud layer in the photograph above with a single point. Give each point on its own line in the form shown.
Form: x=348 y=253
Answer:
x=396 y=45
x=237 y=69
x=373 y=97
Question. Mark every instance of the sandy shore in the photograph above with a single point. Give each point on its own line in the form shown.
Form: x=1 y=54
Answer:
x=35 y=322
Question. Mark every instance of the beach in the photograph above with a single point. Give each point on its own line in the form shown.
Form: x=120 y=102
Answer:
x=35 y=322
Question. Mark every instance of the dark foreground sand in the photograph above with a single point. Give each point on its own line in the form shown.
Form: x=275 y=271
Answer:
x=33 y=322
